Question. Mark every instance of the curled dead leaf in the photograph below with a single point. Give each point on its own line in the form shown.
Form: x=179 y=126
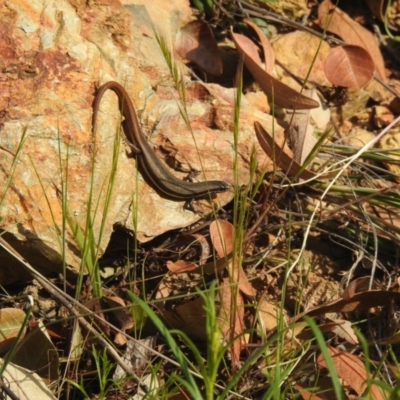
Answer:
x=277 y=92
x=269 y=55
x=24 y=384
x=196 y=43
x=282 y=158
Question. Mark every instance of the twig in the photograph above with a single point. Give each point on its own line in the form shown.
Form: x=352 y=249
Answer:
x=8 y=391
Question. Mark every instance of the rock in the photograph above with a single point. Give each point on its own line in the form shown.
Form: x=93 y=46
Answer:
x=54 y=57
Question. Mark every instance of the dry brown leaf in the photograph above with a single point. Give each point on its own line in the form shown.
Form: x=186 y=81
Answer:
x=360 y=301
x=302 y=138
x=349 y=66
x=212 y=267
x=196 y=43
x=189 y=317
x=24 y=384
x=356 y=286
x=268 y=314
x=222 y=236
x=301 y=132
x=306 y=394
x=341 y=328
x=181 y=266
x=344 y=330
x=269 y=55
x=278 y=92
x=352 y=370
x=321 y=116
x=11 y=323
x=37 y=352
x=181 y=395
x=308 y=334
x=351 y=32
x=301 y=135
x=123 y=316
x=252 y=49
x=279 y=155
x=197 y=240
x=238 y=276
x=95 y=306
x=205 y=247
x=231 y=319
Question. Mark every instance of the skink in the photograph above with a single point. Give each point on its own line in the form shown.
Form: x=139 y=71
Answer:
x=161 y=179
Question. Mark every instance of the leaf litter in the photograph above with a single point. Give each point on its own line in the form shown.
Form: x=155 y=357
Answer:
x=355 y=233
